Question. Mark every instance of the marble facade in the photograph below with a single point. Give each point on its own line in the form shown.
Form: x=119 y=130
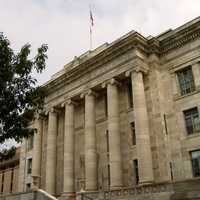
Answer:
x=114 y=117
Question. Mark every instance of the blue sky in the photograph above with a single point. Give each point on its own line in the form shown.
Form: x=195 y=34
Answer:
x=64 y=24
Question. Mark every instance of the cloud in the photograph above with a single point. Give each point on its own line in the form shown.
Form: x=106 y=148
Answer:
x=64 y=24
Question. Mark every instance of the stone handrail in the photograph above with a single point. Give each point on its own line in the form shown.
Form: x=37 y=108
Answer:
x=37 y=194
x=46 y=195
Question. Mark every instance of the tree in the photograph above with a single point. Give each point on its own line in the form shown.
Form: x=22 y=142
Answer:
x=20 y=98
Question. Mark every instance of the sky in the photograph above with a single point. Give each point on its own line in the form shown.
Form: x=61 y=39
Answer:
x=64 y=24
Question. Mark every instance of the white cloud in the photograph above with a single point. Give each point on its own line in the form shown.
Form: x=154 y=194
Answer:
x=64 y=24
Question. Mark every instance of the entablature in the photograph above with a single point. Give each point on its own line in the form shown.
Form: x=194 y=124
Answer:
x=95 y=80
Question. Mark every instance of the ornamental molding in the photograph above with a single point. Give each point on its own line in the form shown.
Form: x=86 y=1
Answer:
x=133 y=41
x=111 y=81
x=180 y=38
x=132 y=192
x=128 y=43
x=88 y=92
x=69 y=102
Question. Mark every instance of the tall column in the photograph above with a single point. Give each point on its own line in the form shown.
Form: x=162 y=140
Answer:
x=69 y=182
x=142 y=129
x=114 y=135
x=51 y=153
x=37 y=153
x=90 y=142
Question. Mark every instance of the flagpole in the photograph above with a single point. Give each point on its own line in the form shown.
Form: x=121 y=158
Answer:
x=90 y=38
x=91 y=25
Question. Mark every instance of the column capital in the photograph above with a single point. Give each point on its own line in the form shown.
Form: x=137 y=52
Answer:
x=138 y=69
x=88 y=92
x=68 y=102
x=52 y=110
x=111 y=81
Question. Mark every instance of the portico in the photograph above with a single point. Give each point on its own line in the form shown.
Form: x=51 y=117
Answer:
x=91 y=154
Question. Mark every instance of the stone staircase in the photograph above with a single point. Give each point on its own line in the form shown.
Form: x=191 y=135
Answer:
x=32 y=195
x=181 y=190
x=186 y=190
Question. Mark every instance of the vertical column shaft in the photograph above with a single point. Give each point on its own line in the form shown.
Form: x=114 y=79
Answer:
x=37 y=153
x=69 y=186
x=51 y=153
x=114 y=136
x=142 y=129
x=90 y=143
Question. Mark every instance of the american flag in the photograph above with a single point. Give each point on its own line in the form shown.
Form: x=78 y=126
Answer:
x=91 y=26
x=91 y=19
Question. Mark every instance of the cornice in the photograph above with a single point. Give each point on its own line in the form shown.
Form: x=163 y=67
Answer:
x=173 y=40
x=114 y=51
x=180 y=38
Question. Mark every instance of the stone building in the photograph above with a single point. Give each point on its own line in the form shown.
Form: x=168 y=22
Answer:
x=125 y=115
x=9 y=174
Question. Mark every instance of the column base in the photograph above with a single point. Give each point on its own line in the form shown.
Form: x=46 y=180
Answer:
x=116 y=187
x=68 y=196
x=141 y=183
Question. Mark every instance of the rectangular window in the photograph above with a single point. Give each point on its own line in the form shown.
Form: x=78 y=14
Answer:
x=107 y=141
x=133 y=136
x=108 y=175
x=28 y=187
x=186 y=80
x=192 y=120
x=106 y=105
x=29 y=166
x=30 y=143
x=171 y=170
x=130 y=95
x=12 y=177
x=2 y=183
x=195 y=158
x=135 y=165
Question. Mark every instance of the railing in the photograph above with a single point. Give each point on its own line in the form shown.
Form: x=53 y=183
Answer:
x=132 y=191
x=31 y=195
x=46 y=195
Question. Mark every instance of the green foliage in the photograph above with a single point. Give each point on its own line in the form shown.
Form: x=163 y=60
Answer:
x=20 y=98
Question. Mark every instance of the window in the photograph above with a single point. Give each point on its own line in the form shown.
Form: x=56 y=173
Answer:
x=28 y=187
x=12 y=177
x=29 y=166
x=30 y=143
x=130 y=95
x=2 y=183
x=106 y=105
x=133 y=136
x=192 y=120
x=195 y=158
x=108 y=174
x=171 y=170
x=186 y=81
x=135 y=166
x=107 y=141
